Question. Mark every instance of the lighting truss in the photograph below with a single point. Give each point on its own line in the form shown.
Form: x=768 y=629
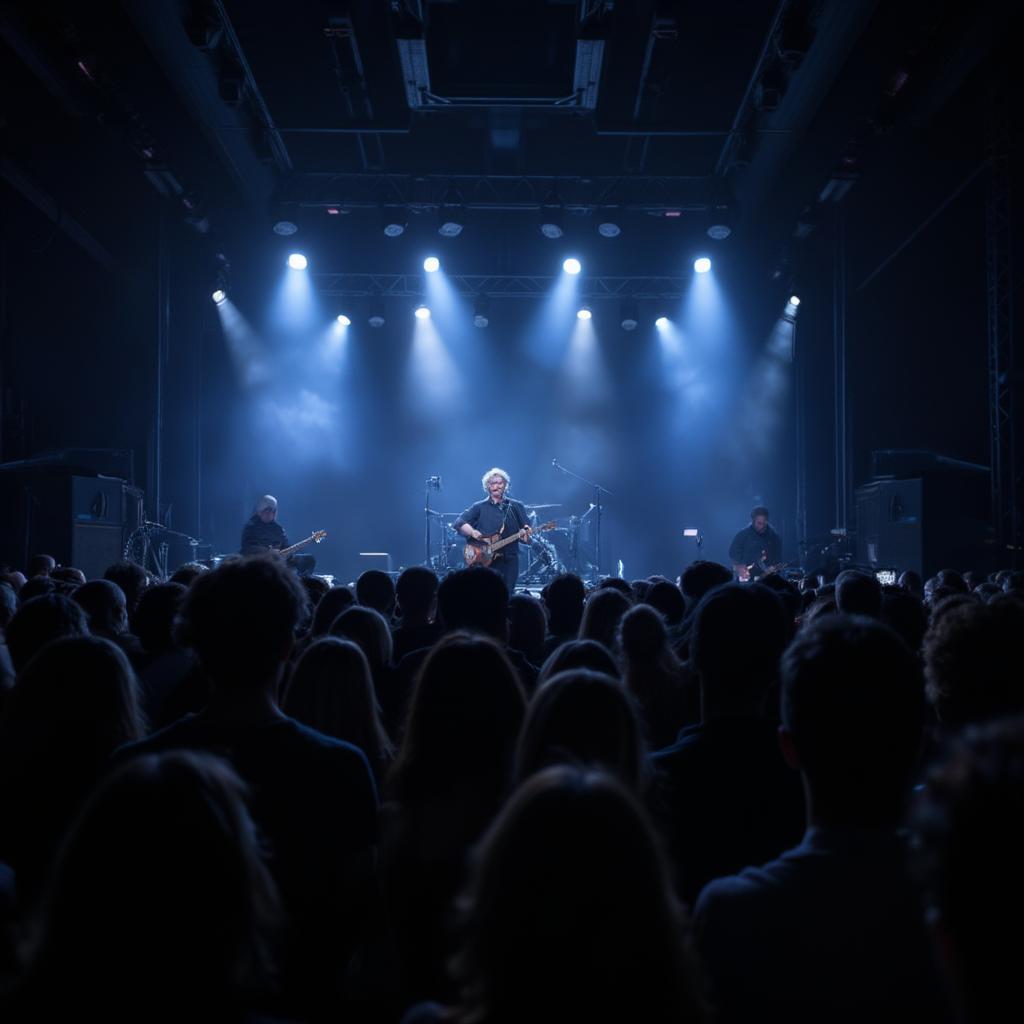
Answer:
x=654 y=194
x=497 y=286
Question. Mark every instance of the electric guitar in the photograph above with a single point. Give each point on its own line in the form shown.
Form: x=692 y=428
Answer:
x=482 y=551
x=314 y=538
x=757 y=570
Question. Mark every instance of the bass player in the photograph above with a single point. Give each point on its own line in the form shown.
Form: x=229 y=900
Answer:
x=262 y=532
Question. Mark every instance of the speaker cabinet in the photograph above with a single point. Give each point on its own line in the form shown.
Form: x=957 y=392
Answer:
x=925 y=524
x=96 y=547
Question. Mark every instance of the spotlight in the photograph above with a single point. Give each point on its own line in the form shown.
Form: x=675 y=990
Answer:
x=219 y=296
x=702 y=265
x=297 y=261
x=661 y=323
x=450 y=226
x=719 y=227
x=630 y=314
x=422 y=312
x=584 y=313
x=794 y=300
x=376 y=319
x=572 y=265
x=393 y=223
x=431 y=264
x=284 y=219
x=481 y=311
x=451 y=217
x=609 y=229
x=552 y=222
x=343 y=320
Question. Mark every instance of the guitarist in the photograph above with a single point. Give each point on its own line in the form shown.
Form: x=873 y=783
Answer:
x=262 y=532
x=757 y=549
x=497 y=514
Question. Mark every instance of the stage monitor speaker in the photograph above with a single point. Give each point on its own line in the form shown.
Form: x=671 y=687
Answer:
x=96 y=547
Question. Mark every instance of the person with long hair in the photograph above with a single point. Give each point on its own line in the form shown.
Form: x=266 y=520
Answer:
x=331 y=690
x=570 y=914
x=450 y=779
x=160 y=906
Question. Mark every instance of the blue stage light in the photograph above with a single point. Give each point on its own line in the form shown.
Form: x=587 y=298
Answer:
x=297 y=261
x=431 y=264
x=423 y=312
x=702 y=265
x=572 y=266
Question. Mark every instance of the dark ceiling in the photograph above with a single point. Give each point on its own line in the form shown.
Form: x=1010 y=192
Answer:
x=234 y=110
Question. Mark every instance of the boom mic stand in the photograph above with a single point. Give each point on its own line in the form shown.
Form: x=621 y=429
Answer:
x=598 y=491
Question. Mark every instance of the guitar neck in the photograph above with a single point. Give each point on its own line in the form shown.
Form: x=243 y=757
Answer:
x=296 y=547
x=501 y=543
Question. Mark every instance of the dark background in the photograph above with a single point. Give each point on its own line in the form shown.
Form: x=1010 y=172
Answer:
x=105 y=281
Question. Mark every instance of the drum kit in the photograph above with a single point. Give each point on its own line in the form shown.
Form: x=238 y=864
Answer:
x=546 y=556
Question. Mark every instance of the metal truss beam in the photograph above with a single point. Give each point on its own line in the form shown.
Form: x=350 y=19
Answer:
x=653 y=194
x=498 y=286
x=1003 y=385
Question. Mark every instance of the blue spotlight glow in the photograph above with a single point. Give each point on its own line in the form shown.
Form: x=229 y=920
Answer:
x=583 y=313
x=343 y=320
x=431 y=264
x=794 y=300
x=661 y=323
x=702 y=265
x=572 y=265
x=297 y=261
x=219 y=296
x=422 y=312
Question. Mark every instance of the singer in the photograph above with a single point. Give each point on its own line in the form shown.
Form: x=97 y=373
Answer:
x=500 y=516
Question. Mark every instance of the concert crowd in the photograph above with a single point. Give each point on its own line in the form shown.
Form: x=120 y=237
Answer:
x=242 y=794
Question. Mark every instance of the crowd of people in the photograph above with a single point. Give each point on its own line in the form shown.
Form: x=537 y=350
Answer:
x=244 y=795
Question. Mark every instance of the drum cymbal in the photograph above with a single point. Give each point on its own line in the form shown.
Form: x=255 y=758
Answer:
x=544 y=506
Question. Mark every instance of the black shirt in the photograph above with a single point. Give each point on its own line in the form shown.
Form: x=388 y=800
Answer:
x=257 y=536
x=748 y=547
x=507 y=517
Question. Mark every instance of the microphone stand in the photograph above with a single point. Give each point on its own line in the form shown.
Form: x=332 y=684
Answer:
x=433 y=484
x=598 y=491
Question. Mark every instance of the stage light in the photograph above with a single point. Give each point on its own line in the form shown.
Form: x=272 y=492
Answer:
x=431 y=264
x=661 y=323
x=451 y=215
x=376 y=320
x=219 y=296
x=343 y=320
x=297 y=261
x=794 y=300
x=393 y=223
x=572 y=265
x=552 y=223
x=630 y=314
x=702 y=265
x=422 y=312
x=285 y=228
x=481 y=311
x=719 y=229
x=609 y=229
x=584 y=313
